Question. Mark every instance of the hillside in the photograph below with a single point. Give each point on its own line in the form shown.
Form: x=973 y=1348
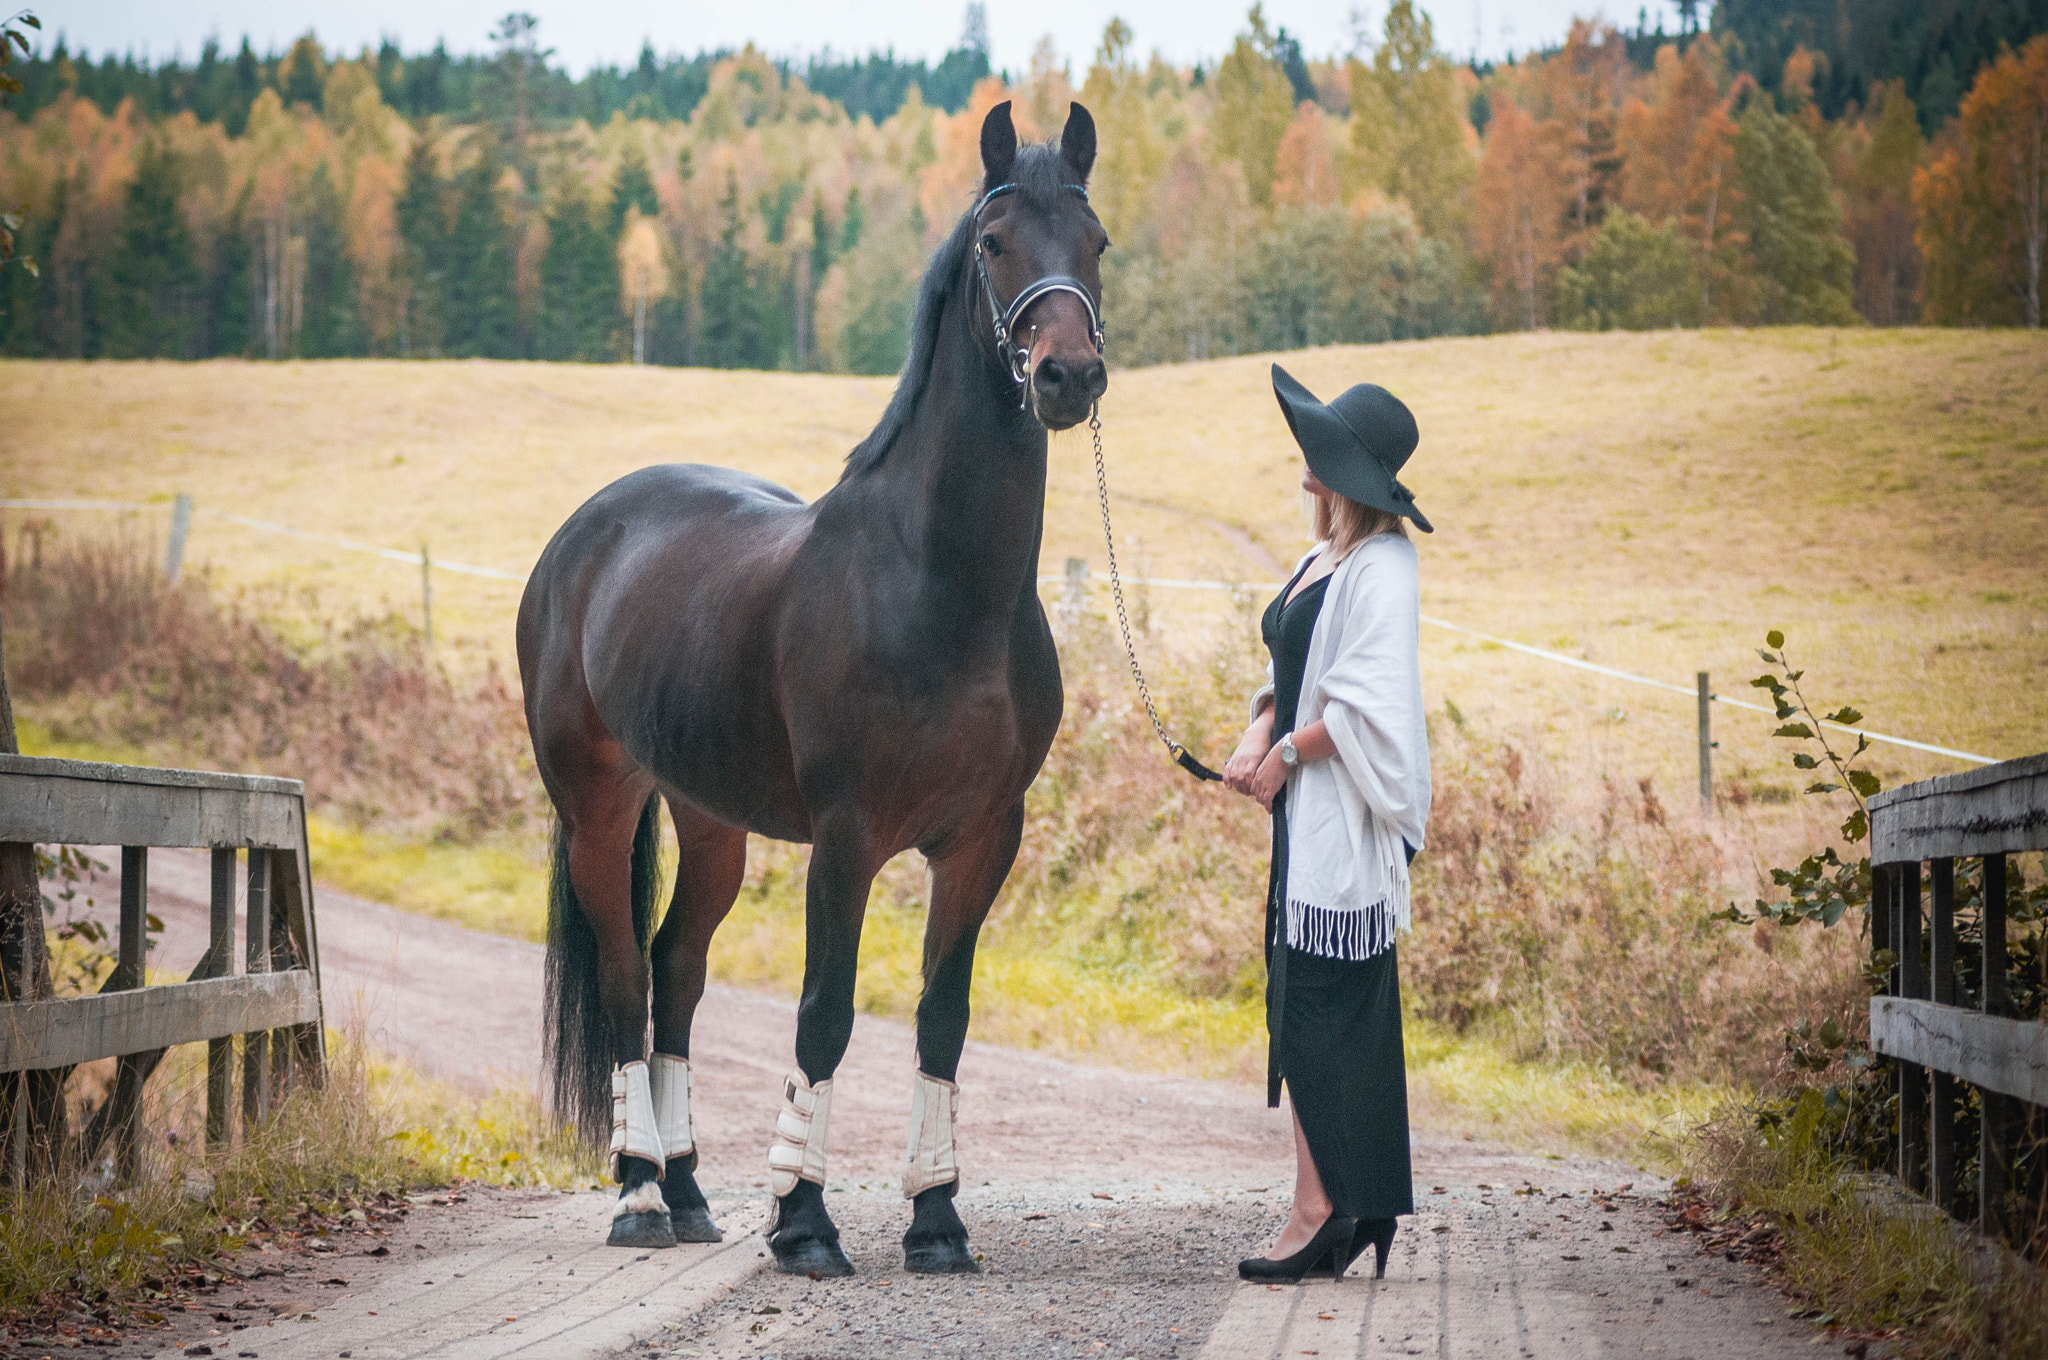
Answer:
x=1646 y=502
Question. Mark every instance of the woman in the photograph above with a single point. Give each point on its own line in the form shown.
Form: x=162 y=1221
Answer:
x=1338 y=752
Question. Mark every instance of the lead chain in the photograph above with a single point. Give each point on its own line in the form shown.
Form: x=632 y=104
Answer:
x=1116 y=587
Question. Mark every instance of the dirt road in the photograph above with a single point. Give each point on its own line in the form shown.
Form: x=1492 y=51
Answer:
x=1110 y=1209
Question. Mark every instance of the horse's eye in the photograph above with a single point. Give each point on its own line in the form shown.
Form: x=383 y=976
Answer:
x=1102 y=249
x=991 y=245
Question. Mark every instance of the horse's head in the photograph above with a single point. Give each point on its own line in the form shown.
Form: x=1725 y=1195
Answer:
x=1037 y=249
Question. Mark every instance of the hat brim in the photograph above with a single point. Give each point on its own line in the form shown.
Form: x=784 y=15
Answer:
x=1340 y=459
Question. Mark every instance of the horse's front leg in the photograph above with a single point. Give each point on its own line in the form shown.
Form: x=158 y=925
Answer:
x=802 y=1235
x=964 y=886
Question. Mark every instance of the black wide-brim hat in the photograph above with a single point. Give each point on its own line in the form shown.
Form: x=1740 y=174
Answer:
x=1354 y=444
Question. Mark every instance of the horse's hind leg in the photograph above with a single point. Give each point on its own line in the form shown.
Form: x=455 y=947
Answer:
x=599 y=972
x=964 y=887
x=711 y=862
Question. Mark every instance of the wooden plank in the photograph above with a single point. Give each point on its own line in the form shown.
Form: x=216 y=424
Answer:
x=151 y=776
x=71 y=1030
x=1998 y=809
x=65 y=807
x=256 y=939
x=1996 y=1053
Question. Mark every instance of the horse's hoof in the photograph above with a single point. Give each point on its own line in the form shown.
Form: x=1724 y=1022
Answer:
x=940 y=1256
x=812 y=1257
x=692 y=1223
x=644 y=1229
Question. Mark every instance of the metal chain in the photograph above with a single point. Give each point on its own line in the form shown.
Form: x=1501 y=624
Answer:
x=1116 y=587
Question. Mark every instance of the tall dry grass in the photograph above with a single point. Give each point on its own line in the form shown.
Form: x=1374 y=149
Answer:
x=1562 y=921
x=103 y=649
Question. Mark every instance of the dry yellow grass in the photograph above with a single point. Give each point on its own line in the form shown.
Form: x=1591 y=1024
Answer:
x=1649 y=502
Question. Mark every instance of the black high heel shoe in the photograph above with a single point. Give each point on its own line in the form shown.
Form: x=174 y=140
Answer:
x=1333 y=1238
x=1377 y=1233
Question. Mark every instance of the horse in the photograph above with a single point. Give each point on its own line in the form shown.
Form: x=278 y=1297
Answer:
x=870 y=673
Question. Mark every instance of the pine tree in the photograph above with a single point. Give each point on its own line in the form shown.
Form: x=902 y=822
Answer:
x=423 y=243
x=480 y=307
x=1799 y=267
x=632 y=188
x=1408 y=126
x=331 y=329
x=148 y=306
x=732 y=331
x=579 y=287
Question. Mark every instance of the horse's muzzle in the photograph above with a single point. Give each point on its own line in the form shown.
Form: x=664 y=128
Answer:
x=1063 y=390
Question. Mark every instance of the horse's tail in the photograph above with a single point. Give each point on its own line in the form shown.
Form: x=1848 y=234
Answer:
x=577 y=1035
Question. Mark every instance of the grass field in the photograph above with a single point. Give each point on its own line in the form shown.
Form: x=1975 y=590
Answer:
x=1647 y=502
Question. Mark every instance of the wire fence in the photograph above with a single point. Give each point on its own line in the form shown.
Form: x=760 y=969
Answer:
x=1071 y=580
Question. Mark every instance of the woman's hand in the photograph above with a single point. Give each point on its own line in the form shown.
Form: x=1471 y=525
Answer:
x=1270 y=779
x=1243 y=764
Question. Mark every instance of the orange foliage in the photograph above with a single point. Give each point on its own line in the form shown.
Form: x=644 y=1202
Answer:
x=1305 y=168
x=1523 y=191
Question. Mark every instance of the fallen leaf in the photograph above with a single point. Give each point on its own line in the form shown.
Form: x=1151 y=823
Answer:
x=378 y=1251
x=1100 y=1194
x=1570 y=1258
x=334 y=1279
x=1441 y=1228
x=1033 y=1218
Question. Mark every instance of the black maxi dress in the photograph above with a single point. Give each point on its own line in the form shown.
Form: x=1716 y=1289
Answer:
x=1334 y=1024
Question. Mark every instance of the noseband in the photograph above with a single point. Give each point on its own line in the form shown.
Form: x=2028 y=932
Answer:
x=1004 y=319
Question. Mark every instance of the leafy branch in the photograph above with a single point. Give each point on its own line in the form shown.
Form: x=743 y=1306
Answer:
x=11 y=38
x=1823 y=886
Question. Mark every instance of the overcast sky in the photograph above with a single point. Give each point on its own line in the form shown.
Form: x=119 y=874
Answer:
x=583 y=32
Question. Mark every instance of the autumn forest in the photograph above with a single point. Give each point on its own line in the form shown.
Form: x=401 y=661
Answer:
x=735 y=210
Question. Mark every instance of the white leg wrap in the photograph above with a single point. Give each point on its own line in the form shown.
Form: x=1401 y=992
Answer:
x=644 y=1198
x=798 y=1152
x=669 y=1080
x=633 y=1130
x=934 y=1119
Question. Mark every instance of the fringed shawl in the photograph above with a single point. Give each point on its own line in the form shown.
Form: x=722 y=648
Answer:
x=1348 y=816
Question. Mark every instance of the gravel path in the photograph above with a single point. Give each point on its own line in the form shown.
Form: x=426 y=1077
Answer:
x=1110 y=1209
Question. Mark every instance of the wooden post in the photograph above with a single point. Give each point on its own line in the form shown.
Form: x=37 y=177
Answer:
x=256 y=1045
x=1706 y=747
x=1074 y=591
x=38 y=1115
x=125 y=1110
x=1912 y=1076
x=1995 y=1140
x=427 y=595
x=220 y=961
x=181 y=525
x=1941 y=1147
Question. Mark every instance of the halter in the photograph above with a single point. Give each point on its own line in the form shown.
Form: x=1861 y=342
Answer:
x=1004 y=319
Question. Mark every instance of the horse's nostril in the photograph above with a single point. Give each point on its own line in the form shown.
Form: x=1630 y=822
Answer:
x=1051 y=373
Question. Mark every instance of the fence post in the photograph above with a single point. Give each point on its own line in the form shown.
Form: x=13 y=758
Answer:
x=1941 y=1147
x=181 y=524
x=1706 y=747
x=220 y=961
x=427 y=595
x=1912 y=983
x=256 y=1044
x=1074 y=593
x=1995 y=1140
x=125 y=1108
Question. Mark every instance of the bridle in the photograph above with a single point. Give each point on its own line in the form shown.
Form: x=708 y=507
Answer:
x=1004 y=320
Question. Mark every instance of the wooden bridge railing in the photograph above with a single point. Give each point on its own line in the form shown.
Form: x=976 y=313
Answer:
x=1989 y=813
x=69 y=802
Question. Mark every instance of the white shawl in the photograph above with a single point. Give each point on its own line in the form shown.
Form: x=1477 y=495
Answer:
x=1347 y=816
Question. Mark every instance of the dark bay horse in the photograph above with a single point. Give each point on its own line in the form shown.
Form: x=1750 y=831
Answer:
x=870 y=673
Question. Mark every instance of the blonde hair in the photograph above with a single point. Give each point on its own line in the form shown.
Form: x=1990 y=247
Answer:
x=1344 y=523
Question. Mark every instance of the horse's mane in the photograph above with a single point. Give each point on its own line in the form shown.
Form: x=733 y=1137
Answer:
x=1039 y=177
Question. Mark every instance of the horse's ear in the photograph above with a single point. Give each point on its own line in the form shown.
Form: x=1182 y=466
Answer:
x=998 y=146
x=1077 y=143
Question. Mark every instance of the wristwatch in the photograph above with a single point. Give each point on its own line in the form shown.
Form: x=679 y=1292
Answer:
x=1288 y=755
